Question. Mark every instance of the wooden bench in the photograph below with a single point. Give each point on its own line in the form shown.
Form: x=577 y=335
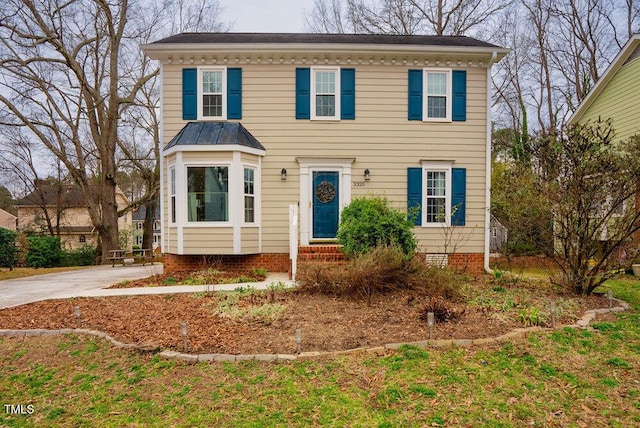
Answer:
x=143 y=256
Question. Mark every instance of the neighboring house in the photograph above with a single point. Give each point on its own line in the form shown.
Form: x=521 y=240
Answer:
x=616 y=95
x=67 y=209
x=8 y=220
x=138 y=218
x=499 y=236
x=267 y=137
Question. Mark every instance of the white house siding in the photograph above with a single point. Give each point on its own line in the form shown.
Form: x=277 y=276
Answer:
x=381 y=138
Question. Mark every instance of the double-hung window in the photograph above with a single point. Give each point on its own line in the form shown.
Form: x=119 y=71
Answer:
x=325 y=98
x=208 y=194
x=212 y=91
x=325 y=93
x=436 y=194
x=249 y=195
x=437 y=95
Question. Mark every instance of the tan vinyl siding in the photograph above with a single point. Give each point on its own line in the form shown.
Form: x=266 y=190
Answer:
x=200 y=240
x=619 y=101
x=381 y=138
x=250 y=240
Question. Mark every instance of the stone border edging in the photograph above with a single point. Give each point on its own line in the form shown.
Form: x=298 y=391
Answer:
x=583 y=322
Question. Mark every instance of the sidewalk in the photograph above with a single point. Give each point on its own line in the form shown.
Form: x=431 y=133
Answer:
x=272 y=278
x=94 y=282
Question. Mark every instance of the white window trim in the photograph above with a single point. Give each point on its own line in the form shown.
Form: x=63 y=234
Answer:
x=313 y=93
x=425 y=95
x=445 y=166
x=307 y=166
x=173 y=184
x=256 y=200
x=201 y=116
x=230 y=190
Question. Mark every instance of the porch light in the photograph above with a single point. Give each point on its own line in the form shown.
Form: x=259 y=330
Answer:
x=367 y=174
x=283 y=174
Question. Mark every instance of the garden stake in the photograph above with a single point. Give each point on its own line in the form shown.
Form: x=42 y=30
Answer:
x=610 y=297
x=76 y=310
x=430 y=322
x=183 y=330
x=298 y=340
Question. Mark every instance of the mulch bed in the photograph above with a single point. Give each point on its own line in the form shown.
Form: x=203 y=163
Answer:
x=327 y=323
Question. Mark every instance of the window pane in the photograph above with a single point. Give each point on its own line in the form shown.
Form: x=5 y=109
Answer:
x=437 y=107
x=212 y=82
x=436 y=183
x=326 y=82
x=173 y=209
x=212 y=105
x=249 y=211
x=208 y=193
x=325 y=105
x=437 y=84
x=436 y=210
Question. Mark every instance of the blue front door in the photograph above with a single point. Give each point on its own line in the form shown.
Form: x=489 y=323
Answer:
x=326 y=204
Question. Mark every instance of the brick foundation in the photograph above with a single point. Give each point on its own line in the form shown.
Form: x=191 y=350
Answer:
x=472 y=263
x=273 y=262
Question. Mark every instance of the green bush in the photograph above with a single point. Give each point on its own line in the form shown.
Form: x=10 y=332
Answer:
x=83 y=256
x=44 y=251
x=8 y=251
x=370 y=222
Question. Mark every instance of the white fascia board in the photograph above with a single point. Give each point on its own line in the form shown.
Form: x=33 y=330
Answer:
x=164 y=50
x=214 y=148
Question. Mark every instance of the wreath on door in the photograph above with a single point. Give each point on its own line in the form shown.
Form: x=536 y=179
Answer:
x=325 y=192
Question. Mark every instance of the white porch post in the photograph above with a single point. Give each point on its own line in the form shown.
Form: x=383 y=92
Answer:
x=293 y=238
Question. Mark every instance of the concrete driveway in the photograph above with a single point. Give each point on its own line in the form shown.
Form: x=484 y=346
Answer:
x=14 y=292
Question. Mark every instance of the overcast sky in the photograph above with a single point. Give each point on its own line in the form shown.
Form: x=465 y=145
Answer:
x=266 y=16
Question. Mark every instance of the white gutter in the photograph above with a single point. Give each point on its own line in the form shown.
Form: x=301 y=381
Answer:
x=487 y=198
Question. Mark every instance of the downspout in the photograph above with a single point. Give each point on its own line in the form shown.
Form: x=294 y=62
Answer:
x=487 y=196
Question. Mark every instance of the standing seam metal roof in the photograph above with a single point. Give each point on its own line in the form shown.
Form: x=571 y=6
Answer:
x=214 y=133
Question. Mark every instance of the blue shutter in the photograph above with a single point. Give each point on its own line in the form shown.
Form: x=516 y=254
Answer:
x=459 y=92
x=189 y=93
x=414 y=194
x=303 y=93
x=348 y=93
x=415 y=94
x=234 y=93
x=458 y=196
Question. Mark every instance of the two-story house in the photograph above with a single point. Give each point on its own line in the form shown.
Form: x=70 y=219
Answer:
x=256 y=124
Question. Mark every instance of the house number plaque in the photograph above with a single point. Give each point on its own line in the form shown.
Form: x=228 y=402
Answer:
x=325 y=192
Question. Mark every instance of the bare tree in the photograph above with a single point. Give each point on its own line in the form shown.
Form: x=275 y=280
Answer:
x=70 y=70
x=406 y=17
